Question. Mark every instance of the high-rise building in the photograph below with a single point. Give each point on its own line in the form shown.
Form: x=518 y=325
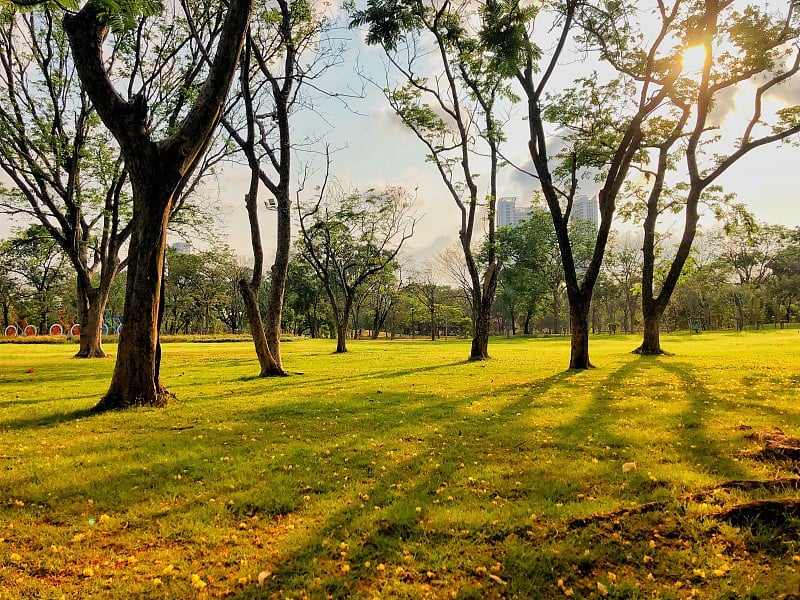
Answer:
x=182 y=247
x=507 y=212
x=584 y=208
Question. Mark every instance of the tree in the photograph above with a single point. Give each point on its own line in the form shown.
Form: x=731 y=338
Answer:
x=429 y=294
x=40 y=269
x=158 y=171
x=197 y=291
x=281 y=56
x=598 y=122
x=305 y=298
x=384 y=296
x=624 y=267
x=9 y=293
x=785 y=280
x=531 y=270
x=66 y=172
x=350 y=237
x=738 y=45
x=454 y=113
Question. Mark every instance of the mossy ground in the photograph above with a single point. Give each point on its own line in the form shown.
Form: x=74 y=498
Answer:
x=399 y=470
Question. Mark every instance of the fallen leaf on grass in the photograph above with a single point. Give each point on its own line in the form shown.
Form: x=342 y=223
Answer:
x=263 y=575
x=197 y=582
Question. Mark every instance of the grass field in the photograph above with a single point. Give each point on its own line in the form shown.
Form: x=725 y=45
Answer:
x=400 y=470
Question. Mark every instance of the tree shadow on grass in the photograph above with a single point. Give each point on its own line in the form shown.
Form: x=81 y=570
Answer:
x=698 y=445
x=47 y=420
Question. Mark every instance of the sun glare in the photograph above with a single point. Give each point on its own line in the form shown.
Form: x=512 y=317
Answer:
x=692 y=59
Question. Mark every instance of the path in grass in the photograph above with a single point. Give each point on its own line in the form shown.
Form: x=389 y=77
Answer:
x=397 y=470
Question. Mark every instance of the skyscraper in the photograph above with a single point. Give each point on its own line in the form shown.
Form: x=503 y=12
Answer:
x=585 y=209
x=507 y=212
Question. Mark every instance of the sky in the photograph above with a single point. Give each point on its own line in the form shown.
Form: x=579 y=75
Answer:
x=374 y=149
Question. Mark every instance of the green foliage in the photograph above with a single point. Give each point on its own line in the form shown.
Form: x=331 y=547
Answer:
x=120 y=15
x=594 y=117
x=37 y=277
x=406 y=100
x=124 y=15
x=389 y=21
x=504 y=34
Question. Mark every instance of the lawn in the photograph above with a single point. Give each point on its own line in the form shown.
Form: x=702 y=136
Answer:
x=399 y=470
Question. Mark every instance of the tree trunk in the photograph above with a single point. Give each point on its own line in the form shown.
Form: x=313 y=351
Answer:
x=158 y=171
x=579 y=330
x=480 y=339
x=266 y=359
x=341 y=336
x=651 y=337
x=280 y=269
x=91 y=306
x=482 y=300
x=135 y=379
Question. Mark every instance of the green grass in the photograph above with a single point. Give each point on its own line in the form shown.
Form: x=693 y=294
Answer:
x=398 y=470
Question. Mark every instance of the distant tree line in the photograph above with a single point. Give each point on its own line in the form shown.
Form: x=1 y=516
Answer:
x=743 y=276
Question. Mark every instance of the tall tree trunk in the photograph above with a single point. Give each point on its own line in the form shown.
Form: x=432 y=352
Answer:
x=482 y=300
x=277 y=290
x=265 y=357
x=158 y=171
x=579 y=332
x=135 y=379
x=480 y=338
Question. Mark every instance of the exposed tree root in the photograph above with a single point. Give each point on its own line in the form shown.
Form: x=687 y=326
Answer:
x=737 y=484
x=642 y=351
x=748 y=485
x=617 y=514
x=765 y=511
x=115 y=401
x=777 y=446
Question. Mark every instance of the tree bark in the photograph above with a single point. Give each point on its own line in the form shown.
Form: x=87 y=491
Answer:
x=480 y=338
x=579 y=332
x=260 y=340
x=482 y=300
x=651 y=336
x=341 y=337
x=277 y=290
x=134 y=382
x=91 y=305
